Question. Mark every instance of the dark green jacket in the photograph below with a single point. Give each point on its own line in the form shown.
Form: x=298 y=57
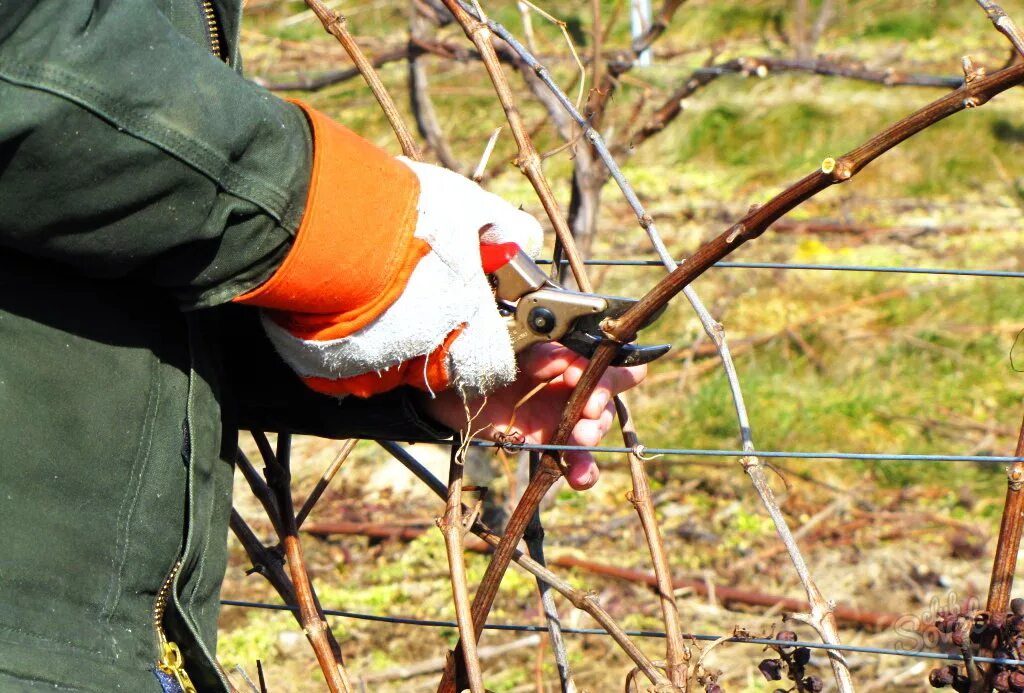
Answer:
x=143 y=185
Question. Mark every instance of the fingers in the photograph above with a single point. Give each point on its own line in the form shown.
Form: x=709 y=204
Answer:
x=581 y=470
x=596 y=403
x=590 y=432
x=615 y=380
x=546 y=361
x=564 y=368
x=550 y=359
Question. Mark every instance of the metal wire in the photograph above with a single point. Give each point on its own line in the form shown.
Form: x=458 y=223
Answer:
x=884 y=269
x=400 y=620
x=790 y=454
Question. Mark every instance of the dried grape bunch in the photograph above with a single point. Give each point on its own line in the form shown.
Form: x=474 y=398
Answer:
x=791 y=662
x=999 y=635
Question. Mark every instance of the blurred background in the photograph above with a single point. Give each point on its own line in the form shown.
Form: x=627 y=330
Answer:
x=829 y=360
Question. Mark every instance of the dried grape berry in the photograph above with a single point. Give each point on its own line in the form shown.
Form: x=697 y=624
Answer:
x=771 y=669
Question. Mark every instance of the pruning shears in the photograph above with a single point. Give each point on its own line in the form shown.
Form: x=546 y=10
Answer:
x=536 y=309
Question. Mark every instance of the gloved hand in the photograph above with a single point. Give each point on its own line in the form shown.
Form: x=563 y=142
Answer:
x=433 y=324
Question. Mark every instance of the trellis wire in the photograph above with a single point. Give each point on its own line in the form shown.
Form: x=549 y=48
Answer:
x=704 y=452
x=790 y=454
x=882 y=269
x=525 y=628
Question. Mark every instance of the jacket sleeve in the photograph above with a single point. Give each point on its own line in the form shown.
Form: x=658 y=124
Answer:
x=128 y=150
x=279 y=401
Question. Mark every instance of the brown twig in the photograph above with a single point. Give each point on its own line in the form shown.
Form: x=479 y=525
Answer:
x=435 y=664
x=336 y=25
x=332 y=469
x=270 y=564
x=724 y=593
x=1006 y=26
x=419 y=97
x=534 y=537
x=321 y=81
x=676 y=660
x=373 y=530
x=1005 y=563
x=762 y=67
x=259 y=489
x=266 y=562
x=314 y=625
x=452 y=527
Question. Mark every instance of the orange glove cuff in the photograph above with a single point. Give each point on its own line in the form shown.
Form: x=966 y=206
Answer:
x=428 y=373
x=354 y=250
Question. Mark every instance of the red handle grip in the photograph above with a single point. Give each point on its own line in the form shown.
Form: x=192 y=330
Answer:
x=494 y=256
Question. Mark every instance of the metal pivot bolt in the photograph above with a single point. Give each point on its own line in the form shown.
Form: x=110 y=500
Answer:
x=542 y=320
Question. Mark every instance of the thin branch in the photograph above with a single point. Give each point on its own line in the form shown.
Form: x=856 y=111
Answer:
x=825 y=13
x=314 y=625
x=332 y=469
x=762 y=67
x=270 y=564
x=419 y=97
x=452 y=528
x=259 y=488
x=524 y=16
x=676 y=660
x=481 y=167
x=336 y=25
x=534 y=537
x=266 y=562
x=302 y=83
x=1003 y=24
x=435 y=664
x=1005 y=562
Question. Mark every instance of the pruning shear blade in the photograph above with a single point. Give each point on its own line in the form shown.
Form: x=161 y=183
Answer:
x=538 y=310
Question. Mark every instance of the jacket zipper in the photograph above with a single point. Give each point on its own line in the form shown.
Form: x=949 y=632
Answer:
x=212 y=27
x=171 y=661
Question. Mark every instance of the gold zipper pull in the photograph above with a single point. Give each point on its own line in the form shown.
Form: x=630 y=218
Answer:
x=171 y=662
